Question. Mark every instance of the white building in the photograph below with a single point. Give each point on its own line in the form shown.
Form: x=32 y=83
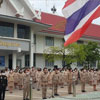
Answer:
x=24 y=34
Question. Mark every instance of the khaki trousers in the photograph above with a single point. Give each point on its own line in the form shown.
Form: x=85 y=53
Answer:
x=44 y=91
x=26 y=91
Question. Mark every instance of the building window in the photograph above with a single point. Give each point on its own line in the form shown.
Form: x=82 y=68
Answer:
x=80 y=42
x=93 y=64
x=49 y=41
x=27 y=61
x=34 y=38
x=6 y=29
x=23 y=31
x=49 y=63
x=79 y=64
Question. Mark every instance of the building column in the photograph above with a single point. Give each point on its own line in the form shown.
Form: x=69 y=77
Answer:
x=31 y=47
x=6 y=60
x=15 y=30
x=23 y=61
x=14 y=59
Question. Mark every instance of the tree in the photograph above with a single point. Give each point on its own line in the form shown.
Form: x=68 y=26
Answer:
x=92 y=50
x=70 y=54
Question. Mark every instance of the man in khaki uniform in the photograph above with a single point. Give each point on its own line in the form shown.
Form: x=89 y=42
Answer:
x=83 y=77
x=55 y=82
x=70 y=80
x=38 y=80
x=26 y=85
x=33 y=75
x=44 y=82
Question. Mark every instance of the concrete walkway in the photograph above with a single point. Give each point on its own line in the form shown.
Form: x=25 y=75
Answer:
x=37 y=95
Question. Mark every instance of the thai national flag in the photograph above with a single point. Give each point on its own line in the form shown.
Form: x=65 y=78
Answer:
x=79 y=15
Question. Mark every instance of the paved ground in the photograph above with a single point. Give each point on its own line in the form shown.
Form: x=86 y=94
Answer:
x=89 y=95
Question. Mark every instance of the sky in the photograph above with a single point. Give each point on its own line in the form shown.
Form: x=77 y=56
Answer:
x=46 y=5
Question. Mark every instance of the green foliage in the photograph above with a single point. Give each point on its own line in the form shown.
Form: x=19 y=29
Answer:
x=69 y=54
x=84 y=53
x=92 y=50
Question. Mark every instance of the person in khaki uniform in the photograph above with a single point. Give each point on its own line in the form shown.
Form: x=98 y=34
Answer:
x=70 y=80
x=44 y=82
x=26 y=85
x=20 y=81
x=95 y=80
x=16 y=78
x=55 y=82
x=33 y=75
x=10 y=81
x=61 y=78
x=38 y=80
x=66 y=76
x=83 y=77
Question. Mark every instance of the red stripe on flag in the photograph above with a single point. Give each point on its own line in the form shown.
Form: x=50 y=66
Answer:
x=77 y=34
x=68 y=2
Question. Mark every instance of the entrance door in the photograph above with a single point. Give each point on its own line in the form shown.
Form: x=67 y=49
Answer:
x=10 y=61
x=19 y=63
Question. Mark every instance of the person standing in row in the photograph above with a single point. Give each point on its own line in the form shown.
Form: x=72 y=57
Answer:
x=26 y=85
x=70 y=80
x=3 y=85
x=55 y=82
x=83 y=76
x=44 y=82
x=95 y=80
x=38 y=76
x=10 y=81
x=16 y=78
x=20 y=80
x=33 y=75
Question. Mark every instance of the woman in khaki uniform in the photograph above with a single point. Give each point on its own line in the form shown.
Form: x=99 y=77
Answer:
x=16 y=78
x=95 y=80
x=10 y=82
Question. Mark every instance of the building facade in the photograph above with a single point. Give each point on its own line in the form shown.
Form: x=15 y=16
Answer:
x=25 y=34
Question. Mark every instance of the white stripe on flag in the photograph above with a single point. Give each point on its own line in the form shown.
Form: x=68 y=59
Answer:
x=69 y=10
x=82 y=22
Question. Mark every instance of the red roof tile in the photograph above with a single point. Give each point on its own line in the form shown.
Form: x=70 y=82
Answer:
x=58 y=25
x=57 y=22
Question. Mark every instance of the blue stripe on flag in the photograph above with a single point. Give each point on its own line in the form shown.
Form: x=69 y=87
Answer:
x=76 y=17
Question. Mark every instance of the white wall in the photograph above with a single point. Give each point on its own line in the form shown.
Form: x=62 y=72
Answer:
x=7 y=9
x=40 y=61
x=41 y=46
x=59 y=63
x=58 y=42
x=40 y=40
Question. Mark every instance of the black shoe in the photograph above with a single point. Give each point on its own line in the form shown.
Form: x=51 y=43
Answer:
x=83 y=91
x=56 y=94
x=38 y=89
x=44 y=98
x=70 y=93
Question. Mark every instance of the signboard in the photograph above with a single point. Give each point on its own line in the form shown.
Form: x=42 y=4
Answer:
x=11 y=44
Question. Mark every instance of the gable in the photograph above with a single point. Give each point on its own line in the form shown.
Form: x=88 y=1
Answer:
x=18 y=8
